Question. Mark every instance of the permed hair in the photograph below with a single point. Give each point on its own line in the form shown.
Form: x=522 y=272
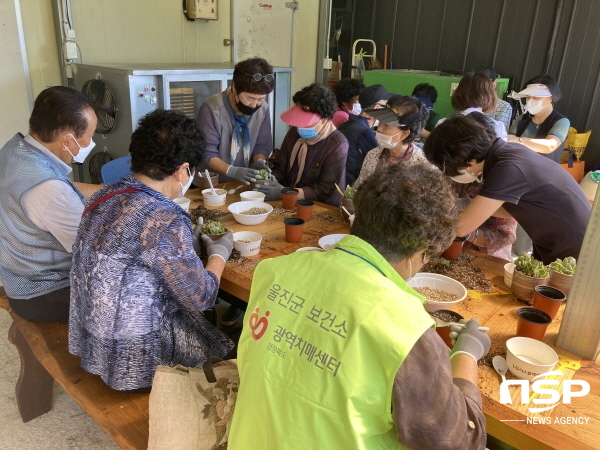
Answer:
x=475 y=90
x=550 y=83
x=318 y=99
x=458 y=140
x=426 y=89
x=405 y=209
x=346 y=89
x=245 y=70
x=59 y=109
x=412 y=113
x=163 y=141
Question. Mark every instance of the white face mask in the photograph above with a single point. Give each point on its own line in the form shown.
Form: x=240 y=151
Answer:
x=356 y=109
x=83 y=151
x=385 y=141
x=187 y=185
x=466 y=177
x=534 y=106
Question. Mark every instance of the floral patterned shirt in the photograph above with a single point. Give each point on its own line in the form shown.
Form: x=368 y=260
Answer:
x=138 y=289
x=379 y=158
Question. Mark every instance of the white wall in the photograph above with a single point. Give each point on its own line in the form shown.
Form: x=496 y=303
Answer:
x=304 y=54
x=14 y=115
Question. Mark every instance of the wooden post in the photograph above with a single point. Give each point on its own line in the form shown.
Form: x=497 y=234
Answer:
x=580 y=331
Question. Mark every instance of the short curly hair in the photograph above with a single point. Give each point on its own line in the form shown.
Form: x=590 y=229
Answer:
x=412 y=113
x=404 y=209
x=318 y=99
x=475 y=90
x=58 y=109
x=245 y=70
x=163 y=141
x=346 y=89
x=458 y=140
x=426 y=89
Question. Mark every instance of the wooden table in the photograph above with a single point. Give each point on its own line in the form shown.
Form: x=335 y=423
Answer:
x=496 y=311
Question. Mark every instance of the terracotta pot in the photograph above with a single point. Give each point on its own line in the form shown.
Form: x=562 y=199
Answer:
x=561 y=281
x=347 y=203
x=444 y=332
x=201 y=181
x=289 y=197
x=454 y=251
x=522 y=286
x=304 y=209
x=532 y=323
x=548 y=299
x=293 y=229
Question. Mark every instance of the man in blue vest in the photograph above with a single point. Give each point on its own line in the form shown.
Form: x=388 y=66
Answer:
x=337 y=351
x=40 y=207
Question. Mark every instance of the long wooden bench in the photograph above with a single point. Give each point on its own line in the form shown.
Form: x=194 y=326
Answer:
x=45 y=359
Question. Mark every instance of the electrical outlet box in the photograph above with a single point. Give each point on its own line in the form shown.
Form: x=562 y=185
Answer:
x=202 y=9
x=70 y=50
x=71 y=34
x=327 y=63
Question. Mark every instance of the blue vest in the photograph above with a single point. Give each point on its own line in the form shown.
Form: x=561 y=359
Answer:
x=32 y=261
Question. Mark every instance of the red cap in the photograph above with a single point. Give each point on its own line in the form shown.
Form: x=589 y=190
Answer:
x=300 y=116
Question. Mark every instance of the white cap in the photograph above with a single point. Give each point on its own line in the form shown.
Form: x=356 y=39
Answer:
x=534 y=90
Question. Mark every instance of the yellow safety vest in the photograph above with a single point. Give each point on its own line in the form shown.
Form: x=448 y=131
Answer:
x=324 y=335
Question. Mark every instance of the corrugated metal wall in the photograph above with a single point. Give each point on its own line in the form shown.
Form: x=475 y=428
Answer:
x=520 y=38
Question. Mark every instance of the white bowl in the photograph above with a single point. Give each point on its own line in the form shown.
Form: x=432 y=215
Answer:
x=442 y=283
x=527 y=358
x=246 y=219
x=247 y=248
x=214 y=200
x=509 y=269
x=252 y=196
x=184 y=202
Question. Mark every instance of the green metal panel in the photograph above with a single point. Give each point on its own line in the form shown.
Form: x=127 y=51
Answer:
x=404 y=83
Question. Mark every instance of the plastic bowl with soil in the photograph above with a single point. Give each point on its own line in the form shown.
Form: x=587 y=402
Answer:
x=441 y=292
x=250 y=213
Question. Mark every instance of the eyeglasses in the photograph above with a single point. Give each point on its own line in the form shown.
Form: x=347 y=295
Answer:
x=259 y=76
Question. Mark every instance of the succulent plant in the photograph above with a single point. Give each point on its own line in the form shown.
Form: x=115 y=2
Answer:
x=349 y=192
x=263 y=174
x=213 y=227
x=530 y=266
x=566 y=266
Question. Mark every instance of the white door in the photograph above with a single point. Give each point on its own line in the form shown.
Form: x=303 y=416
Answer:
x=262 y=28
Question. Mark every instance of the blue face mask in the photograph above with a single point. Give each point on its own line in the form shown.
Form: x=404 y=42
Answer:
x=307 y=133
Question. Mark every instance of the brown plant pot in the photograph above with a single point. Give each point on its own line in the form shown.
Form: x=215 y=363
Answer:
x=522 y=286
x=293 y=229
x=561 y=281
x=347 y=203
x=289 y=197
x=532 y=323
x=304 y=209
x=548 y=299
x=201 y=181
x=454 y=251
x=444 y=332
x=259 y=182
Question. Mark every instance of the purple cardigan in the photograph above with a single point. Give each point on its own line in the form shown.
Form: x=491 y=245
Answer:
x=325 y=165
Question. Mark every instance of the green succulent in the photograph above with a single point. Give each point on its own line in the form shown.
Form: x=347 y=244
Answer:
x=213 y=227
x=566 y=266
x=349 y=192
x=531 y=267
x=263 y=174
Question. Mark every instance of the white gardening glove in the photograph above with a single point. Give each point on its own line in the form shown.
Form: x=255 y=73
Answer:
x=469 y=340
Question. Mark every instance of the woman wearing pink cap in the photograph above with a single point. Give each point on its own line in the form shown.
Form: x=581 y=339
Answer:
x=313 y=154
x=542 y=128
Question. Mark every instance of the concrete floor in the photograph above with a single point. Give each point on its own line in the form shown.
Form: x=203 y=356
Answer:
x=65 y=427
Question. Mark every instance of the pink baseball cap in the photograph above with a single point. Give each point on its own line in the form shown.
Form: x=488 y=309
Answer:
x=300 y=116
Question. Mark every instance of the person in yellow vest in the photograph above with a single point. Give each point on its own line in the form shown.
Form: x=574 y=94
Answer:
x=337 y=351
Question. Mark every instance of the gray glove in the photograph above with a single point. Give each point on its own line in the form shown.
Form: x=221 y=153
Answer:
x=260 y=164
x=272 y=190
x=221 y=247
x=469 y=340
x=244 y=175
x=196 y=234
